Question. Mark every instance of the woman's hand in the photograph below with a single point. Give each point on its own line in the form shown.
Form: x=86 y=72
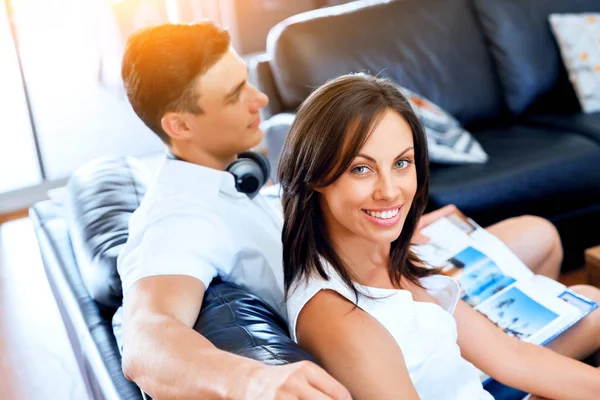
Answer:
x=428 y=219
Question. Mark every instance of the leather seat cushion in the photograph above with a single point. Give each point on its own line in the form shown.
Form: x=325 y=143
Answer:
x=532 y=170
x=585 y=124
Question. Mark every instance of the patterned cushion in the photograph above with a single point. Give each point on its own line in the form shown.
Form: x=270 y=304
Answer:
x=578 y=36
x=447 y=140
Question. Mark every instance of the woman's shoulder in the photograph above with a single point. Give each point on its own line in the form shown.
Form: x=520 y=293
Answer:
x=444 y=289
x=306 y=287
x=313 y=282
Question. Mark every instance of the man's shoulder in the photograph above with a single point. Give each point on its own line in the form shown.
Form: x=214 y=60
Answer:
x=164 y=207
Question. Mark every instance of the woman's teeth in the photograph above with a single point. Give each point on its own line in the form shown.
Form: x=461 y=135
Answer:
x=383 y=215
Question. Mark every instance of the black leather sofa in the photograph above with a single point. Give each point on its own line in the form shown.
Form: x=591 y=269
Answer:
x=80 y=238
x=81 y=235
x=494 y=65
x=542 y=162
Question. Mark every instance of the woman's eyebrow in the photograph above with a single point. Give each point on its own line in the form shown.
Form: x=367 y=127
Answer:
x=373 y=160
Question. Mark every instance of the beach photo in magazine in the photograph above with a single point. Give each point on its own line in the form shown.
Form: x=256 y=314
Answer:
x=517 y=314
x=478 y=276
x=497 y=284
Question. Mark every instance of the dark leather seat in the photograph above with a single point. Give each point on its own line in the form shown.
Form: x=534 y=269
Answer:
x=531 y=170
x=539 y=163
x=102 y=196
x=90 y=332
x=585 y=124
x=494 y=65
x=232 y=318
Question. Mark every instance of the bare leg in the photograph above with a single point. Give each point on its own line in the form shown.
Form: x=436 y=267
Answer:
x=537 y=243
x=583 y=339
x=534 y=240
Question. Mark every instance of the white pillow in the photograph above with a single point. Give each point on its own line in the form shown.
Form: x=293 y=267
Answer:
x=448 y=142
x=578 y=36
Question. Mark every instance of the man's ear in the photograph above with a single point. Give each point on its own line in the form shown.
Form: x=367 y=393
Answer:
x=176 y=126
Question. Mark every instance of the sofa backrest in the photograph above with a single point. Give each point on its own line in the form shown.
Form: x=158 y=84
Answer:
x=526 y=54
x=102 y=195
x=432 y=47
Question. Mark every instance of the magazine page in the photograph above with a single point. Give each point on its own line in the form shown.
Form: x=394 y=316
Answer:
x=527 y=311
x=496 y=283
x=535 y=310
x=450 y=235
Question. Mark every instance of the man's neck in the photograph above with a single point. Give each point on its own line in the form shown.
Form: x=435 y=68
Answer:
x=199 y=157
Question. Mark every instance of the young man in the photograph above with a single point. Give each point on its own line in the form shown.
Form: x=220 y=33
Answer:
x=191 y=88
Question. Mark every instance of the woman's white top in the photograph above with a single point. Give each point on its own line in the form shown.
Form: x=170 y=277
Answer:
x=426 y=332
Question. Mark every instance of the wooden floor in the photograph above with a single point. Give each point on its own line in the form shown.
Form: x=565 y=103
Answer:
x=13 y=215
x=36 y=360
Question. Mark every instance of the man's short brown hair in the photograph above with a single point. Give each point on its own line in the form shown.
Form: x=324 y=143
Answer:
x=161 y=65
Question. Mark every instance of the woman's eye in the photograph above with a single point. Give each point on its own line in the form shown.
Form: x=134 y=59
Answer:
x=360 y=169
x=401 y=164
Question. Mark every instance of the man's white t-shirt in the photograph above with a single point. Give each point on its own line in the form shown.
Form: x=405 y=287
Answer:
x=193 y=221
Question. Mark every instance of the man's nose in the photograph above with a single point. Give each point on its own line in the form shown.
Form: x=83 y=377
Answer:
x=260 y=101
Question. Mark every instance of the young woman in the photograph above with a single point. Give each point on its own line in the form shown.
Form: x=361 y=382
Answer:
x=354 y=173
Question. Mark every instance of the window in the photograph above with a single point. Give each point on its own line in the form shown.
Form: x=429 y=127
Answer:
x=18 y=159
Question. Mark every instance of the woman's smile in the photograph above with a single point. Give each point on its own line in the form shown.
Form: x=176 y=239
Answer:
x=386 y=217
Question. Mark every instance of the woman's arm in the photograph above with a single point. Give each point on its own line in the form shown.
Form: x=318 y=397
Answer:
x=354 y=348
x=533 y=369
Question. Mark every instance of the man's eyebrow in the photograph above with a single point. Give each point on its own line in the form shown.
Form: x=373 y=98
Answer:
x=235 y=90
x=375 y=161
x=238 y=88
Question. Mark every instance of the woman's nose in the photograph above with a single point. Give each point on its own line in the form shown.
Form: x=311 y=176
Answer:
x=387 y=188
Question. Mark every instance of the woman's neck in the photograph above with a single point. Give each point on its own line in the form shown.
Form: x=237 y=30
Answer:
x=367 y=261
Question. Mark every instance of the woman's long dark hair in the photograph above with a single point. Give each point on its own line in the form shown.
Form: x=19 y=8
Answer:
x=331 y=127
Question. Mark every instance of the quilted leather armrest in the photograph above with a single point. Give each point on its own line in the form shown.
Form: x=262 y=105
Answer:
x=239 y=322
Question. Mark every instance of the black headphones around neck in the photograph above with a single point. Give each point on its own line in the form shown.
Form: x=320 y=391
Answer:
x=251 y=171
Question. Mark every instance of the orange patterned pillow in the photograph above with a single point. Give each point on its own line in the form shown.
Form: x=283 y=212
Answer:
x=578 y=36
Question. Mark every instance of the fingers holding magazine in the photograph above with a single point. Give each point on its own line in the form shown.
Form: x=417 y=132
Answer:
x=496 y=283
x=428 y=219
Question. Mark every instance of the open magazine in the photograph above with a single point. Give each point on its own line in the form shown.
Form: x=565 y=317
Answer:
x=496 y=283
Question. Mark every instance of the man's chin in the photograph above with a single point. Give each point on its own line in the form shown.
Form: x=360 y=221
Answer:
x=255 y=142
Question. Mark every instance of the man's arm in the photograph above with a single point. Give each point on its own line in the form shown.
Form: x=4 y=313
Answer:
x=168 y=359
x=355 y=348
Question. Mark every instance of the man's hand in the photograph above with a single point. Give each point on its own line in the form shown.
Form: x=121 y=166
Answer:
x=298 y=381
x=429 y=218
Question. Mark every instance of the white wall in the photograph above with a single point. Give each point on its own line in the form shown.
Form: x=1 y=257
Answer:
x=18 y=160
x=71 y=52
